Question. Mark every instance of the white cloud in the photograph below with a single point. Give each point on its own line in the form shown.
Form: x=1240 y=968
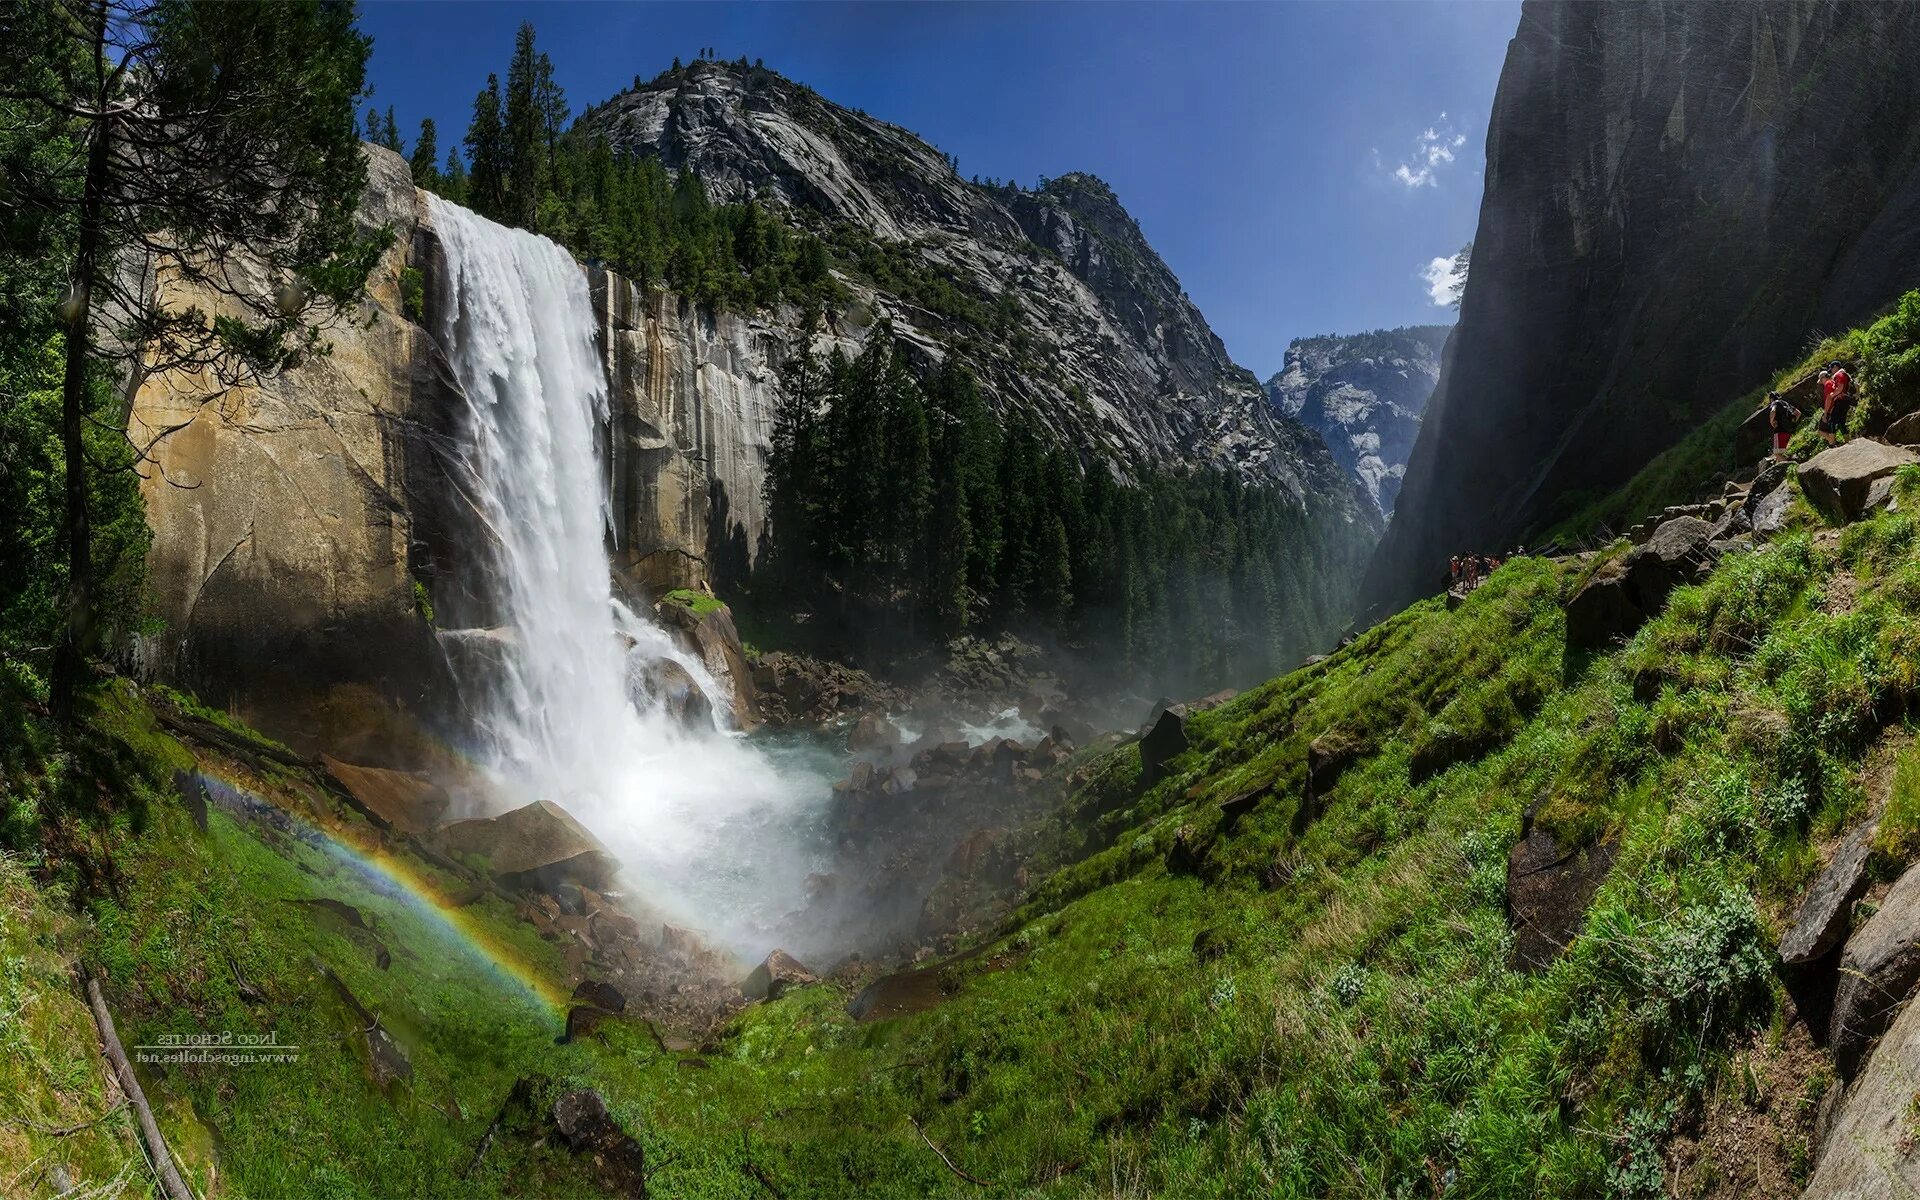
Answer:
x=1445 y=280
x=1433 y=149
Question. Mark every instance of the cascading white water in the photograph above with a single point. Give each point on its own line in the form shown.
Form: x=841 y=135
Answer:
x=715 y=833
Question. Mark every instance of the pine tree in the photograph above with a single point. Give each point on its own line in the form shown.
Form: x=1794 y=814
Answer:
x=425 y=162
x=453 y=178
x=524 y=143
x=390 y=134
x=202 y=132
x=487 y=153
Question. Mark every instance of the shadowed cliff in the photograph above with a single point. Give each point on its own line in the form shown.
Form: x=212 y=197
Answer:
x=1678 y=196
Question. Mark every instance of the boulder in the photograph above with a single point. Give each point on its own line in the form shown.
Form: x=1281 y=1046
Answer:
x=588 y=1129
x=582 y=1019
x=670 y=686
x=1868 y=1151
x=1548 y=890
x=535 y=847
x=775 y=974
x=1626 y=592
x=601 y=994
x=898 y=995
x=873 y=732
x=392 y=799
x=1905 y=431
x=1877 y=970
x=1769 y=513
x=1166 y=740
x=1754 y=437
x=1839 y=479
x=1821 y=920
x=706 y=627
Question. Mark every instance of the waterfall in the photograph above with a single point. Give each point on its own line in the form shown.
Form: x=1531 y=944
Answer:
x=715 y=833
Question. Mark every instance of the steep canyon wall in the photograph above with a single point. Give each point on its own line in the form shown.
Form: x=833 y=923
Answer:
x=1679 y=196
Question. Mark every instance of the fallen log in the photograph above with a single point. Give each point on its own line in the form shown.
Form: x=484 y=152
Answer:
x=170 y=1181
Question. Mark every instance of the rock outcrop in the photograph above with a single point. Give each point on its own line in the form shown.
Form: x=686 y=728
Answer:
x=1841 y=480
x=1364 y=394
x=1677 y=194
x=1062 y=308
x=1626 y=592
x=286 y=512
x=1878 y=970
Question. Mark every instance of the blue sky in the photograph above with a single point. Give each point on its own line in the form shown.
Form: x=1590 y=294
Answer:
x=1298 y=165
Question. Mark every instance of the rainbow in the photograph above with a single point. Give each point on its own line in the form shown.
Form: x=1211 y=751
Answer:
x=393 y=875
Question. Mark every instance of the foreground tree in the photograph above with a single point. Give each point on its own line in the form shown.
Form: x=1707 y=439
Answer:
x=215 y=143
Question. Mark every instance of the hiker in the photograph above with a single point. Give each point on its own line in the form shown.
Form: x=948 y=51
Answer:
x=1842 y=395
x=1453 y=568
x=1781 y=418
x=1826 y=424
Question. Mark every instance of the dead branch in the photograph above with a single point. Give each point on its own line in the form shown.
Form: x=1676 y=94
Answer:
x=973 y=1179
x=170 y=1181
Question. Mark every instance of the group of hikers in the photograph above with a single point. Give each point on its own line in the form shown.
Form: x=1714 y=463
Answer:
x=1836 y=395
x=1467 y=571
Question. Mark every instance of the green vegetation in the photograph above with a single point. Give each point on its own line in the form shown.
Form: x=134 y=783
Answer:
x=413 y=294
x=203 y=134
x=525 y=167
x=898 y=511
x=1274 y=1005
x=699 y=603
x=1886 y=361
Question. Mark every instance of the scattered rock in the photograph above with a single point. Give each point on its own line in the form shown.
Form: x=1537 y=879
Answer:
x=601 y=995
x=1329 y=756
x=1840 y=479
x=671 y=686
x=391 y=799
x=873 y=732
x=1166 y=740
x=582 y=1019
x=1548 y=890
x=1877 y=971
x=1880 y=495
x=1905 y=431
x=346 y=912
x=1770 y=514
x=775 y=974
x=898 y=995
x=535 y=847
x=1626 y=592
x=584 y=1124
x=1868 y=1151
x=386 y=1059
x=1820 y=923
x=1209 y=945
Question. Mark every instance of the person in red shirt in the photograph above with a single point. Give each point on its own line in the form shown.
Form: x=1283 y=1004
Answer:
x=1836 y=391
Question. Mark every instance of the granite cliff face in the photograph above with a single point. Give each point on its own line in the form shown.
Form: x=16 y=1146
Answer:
x=1364 y=395
x=305 y=526
x=1052 y=295
x=1678 y=197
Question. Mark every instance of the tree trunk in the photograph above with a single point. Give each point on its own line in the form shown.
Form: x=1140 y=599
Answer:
x=69 y=657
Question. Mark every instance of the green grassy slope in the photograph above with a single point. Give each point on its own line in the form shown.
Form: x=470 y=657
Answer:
x=1294 y=1000
x=1193 y=1010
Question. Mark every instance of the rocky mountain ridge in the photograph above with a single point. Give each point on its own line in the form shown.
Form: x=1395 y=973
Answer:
x=1363 y=393
x=1678 y=198
x=1053 y=295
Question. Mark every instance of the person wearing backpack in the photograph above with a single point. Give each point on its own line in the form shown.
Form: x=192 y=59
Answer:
x=1781 y=418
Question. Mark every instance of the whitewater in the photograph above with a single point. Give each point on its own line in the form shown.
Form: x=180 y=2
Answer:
x=711 y=830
